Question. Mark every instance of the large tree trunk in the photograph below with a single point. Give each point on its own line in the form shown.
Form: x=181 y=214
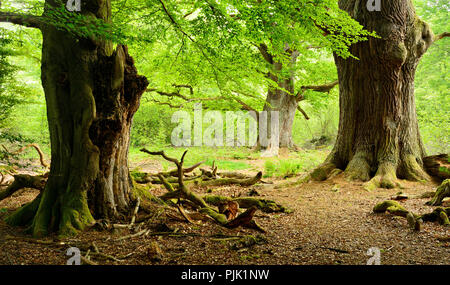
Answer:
x=92 y=92
x=378 y=131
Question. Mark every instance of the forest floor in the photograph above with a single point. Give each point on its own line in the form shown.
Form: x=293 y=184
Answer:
x=331 y=223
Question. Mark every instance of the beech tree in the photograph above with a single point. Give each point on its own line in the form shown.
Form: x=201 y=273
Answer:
x=92 y=91
x=378 y=138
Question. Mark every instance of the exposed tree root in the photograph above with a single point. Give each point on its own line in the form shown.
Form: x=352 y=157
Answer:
x=23 y=181
x=267 y=206
x=439 y=214
x=322 y=172
x=384 y=178
x=414 y=221
x=362 y=167
x=442 y=191
x=437 y=166
x=72 y=214
x=393 y=207
x=230 y=181
x=226 y=216
x=411 y=169
x=358 y=168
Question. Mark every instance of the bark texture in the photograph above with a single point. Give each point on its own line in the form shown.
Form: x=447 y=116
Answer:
x=92 y=92
x=378 y=137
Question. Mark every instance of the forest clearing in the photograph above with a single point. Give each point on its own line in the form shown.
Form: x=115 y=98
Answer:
x=230 y=132
x=328 y=222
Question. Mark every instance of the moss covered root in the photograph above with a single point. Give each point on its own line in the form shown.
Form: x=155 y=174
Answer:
x=322 y=172
x=393 y=207
x=442 y=192
x=24 y=215
x=384 y=178
x=267 y=206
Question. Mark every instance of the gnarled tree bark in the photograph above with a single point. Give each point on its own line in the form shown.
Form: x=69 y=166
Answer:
x=92 y=92
x=378 y=137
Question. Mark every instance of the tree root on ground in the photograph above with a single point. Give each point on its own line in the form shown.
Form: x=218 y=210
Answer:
x=267 y=206
x=23 y=181
x=361 y=168
x=439 y=214
x=437 y=166
x=442 y=192
x=226 y=214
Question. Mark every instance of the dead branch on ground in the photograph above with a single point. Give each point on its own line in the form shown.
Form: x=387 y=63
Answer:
x=225 y=215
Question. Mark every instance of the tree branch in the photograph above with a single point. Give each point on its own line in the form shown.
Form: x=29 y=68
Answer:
x=245 y=107
x=303 y=112
x=321 y=88
x=265 y=53
x=29 y=21
x=318 y=88
x=441 y=36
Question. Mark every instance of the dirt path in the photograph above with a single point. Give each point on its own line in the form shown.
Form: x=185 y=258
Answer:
x=329 y=225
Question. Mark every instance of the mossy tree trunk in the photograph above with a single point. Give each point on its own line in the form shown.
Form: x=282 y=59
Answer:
x=378 y=137
x=92 y=92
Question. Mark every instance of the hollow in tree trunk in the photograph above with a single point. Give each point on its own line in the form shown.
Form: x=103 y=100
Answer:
x=92 y=92
x=378 y=138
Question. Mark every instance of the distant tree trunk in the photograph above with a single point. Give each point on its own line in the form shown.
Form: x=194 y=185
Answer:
x=378 y=131
x=282 y=99
x=92 y=92
x=286 y=104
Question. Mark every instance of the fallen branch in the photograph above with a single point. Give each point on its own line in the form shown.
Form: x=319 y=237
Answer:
x=23 y=181
x=267 y=206
x=184 y=193
x=136 y=209
x=143 y=232
x=438 y=215
x=39 y=151
x=230 y=181
x=185 y=216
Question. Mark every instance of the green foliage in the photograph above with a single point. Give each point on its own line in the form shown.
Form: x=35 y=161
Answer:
x=212 y=46
x=432 y=80
x=301 y=162
x=152 y=125
x=11 y=91
x=282 y=168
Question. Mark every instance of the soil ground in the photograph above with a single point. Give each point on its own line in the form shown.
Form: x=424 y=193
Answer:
x=331 y=223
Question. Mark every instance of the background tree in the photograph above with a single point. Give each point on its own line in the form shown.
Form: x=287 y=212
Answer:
x=378 y=130
x=432 y=80
x=8 y=83
x=257 y=55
